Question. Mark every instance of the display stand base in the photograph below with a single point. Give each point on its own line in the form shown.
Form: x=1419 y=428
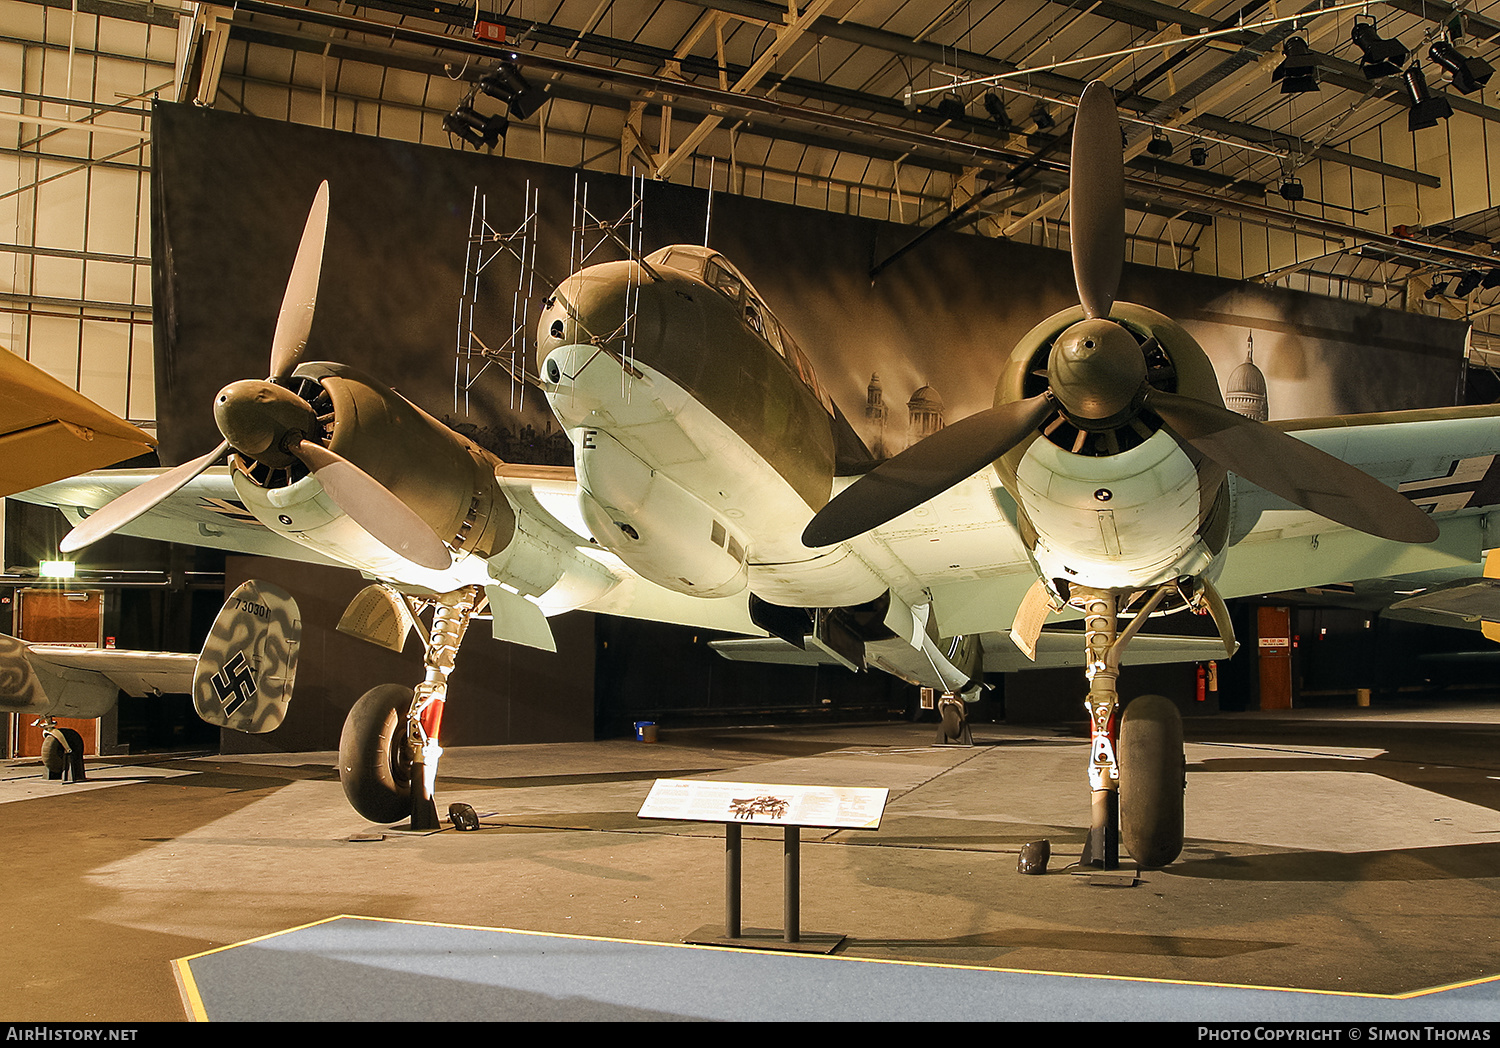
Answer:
x=764 y=939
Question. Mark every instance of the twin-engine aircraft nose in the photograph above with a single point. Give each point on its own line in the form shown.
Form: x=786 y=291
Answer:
x=261 y=419
x=1096 y=370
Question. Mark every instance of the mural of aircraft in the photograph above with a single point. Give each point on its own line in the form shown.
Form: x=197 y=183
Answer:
x=706 y=456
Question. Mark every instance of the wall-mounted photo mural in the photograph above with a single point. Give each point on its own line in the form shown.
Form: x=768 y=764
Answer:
x=918 y=347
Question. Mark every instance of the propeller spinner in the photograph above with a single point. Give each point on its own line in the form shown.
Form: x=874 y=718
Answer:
x=1097 y=378
x=268 y=423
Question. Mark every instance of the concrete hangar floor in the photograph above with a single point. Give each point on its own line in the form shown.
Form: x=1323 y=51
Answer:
x=1353 y=854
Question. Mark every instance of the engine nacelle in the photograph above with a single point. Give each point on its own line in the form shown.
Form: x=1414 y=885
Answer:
x=655 y=526
x=1115 y=499
x=448 y=480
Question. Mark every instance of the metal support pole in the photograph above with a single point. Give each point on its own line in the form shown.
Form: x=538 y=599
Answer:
x=791 y=852
x=732 y=855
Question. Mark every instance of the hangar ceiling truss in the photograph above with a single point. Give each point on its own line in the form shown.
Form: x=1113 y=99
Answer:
x=893 y=108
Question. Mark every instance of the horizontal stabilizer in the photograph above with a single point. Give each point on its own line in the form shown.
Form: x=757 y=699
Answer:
x=1055 y=649
x=1470 y=600
x=56 y=680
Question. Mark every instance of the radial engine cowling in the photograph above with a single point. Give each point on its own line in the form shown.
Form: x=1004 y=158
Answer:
x=1172 y=359
x=653 y=525
x=448 y=480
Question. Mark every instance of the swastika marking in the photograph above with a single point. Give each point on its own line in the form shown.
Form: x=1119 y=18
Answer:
x=235 y=684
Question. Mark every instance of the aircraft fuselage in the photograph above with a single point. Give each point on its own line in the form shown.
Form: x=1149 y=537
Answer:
x=703 y=441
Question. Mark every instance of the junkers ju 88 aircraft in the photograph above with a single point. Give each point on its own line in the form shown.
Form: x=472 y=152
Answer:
x=1108 y=478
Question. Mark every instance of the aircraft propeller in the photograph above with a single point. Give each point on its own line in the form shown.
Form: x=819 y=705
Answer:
x=1097 y=376
x=265 y=421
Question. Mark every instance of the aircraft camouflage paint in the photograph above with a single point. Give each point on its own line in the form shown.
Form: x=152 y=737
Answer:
x=704 y=446
x=241 y=680
x=53 y=431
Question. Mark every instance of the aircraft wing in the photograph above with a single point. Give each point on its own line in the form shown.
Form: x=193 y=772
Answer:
x=960 y=552
x=135 y=673
x=963 y=552
x=1463 y=597
x=1444 y=459
x=49 y=431
x=206 y=512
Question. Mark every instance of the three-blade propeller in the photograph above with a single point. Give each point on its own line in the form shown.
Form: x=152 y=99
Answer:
x=268 y=420
x=1097 y=374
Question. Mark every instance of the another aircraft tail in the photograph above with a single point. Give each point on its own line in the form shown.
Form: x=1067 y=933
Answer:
x=244 y=676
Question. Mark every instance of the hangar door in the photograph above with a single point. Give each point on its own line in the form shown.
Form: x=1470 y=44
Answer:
x=57 y=616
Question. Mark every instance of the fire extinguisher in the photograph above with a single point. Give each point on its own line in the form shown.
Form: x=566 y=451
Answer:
x=1202 y=684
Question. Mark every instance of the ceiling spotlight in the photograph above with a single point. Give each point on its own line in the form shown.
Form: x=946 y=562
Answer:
x=1198 y=155
x=1466 y=70
x=508 y=85
x=1041 y=117
x=951 y=107
x=1382 y=57
x=1426 y=108
x=1468 y=282
x=1298 y=71
x=995 y=107
x=1159 y=145
x=1438 y=288
x=475 y=129
x=1291 y=190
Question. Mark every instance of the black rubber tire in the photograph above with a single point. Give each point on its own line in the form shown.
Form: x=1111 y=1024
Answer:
x=1153 y=776
x=373 y=767
x=54 y=757
x=953 y=720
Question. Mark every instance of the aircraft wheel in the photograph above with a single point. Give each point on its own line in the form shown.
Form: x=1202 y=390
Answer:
x=953 y=719
x=55 y=759
x=374 y=767
x=1153 y=776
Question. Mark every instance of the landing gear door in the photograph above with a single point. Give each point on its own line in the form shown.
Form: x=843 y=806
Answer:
x=244 y=676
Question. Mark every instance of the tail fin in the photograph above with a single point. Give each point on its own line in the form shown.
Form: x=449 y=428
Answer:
x=244 y=676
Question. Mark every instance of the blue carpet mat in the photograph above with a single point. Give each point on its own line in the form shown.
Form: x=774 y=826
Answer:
x=362 y=969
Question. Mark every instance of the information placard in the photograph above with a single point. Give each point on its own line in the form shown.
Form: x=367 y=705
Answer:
x=705 y=800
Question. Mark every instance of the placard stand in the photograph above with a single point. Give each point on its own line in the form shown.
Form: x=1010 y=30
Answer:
x=792 y=807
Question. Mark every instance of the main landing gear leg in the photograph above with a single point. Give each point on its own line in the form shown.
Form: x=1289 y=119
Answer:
x=1101 y=849
x=450 y=619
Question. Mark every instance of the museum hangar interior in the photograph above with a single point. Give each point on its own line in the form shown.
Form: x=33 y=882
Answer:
x=886 y=186
x=1367 y=189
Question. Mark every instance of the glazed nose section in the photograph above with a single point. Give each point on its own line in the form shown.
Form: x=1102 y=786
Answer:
x=1096 y=369
x=260 y=419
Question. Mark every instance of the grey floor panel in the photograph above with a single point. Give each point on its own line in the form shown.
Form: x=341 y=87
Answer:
x=361 y=969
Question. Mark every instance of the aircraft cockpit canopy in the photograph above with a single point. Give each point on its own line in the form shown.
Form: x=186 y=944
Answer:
x=720 y=274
